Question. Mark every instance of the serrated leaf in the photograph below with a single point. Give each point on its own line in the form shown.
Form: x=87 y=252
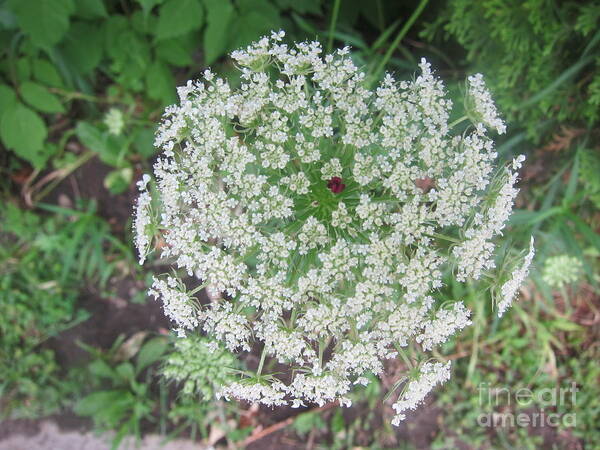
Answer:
x=219 y=14
x=151 y=352
x=83 y=46
x=177 y=17
x=130 y=53
x=45 y=21
x=23 y=131
x=45 y=72
x=40 y=98
x=90 y=9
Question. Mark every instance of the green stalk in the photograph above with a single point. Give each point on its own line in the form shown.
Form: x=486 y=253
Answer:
x=334 y=17
x=263 y=355
x=457 y=121
x=401 y=34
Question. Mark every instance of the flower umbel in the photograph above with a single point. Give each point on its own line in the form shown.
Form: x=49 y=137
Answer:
x=321 y=216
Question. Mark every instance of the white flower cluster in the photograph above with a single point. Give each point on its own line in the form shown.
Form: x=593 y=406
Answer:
x=561 y=270
x=483 y=105
x=511 y=287
x=321 y=215
x=430 y=374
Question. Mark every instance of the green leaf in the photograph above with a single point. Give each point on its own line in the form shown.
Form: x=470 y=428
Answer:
x=125 y=371
x=45 y=21
x=256 y=19
x=40 y=98
x=117 y=181
x=100 y=369
x=143 y=24
x=91 y=137
x=147 y=5
x=8 y=99
x=23 y=131
x=97 y=402
x=91 y=9
x=130 y=53
x=23 y=68
x=160 y=83
x=177 y=17
x=219 y=14
x=305 y=422
x=45 y=72
x=109 y=148
x=302 y=6
x=177 y=51
x=143 y=142
x=151 y=352
x=83 y=46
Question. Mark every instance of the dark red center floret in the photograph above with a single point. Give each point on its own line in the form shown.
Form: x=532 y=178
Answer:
x=335 y=185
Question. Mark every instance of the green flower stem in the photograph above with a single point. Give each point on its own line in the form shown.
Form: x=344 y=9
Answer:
x=197 y=289
x=401 y=34
x=263 y=355
x=457 y=121
x=444 y=237
x=334 y=17
x=404 y=356
x=63 y=173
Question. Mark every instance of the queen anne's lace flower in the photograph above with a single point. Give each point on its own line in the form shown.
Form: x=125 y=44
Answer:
x=321 y=216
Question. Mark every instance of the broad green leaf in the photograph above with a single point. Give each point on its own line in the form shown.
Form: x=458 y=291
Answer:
x=177 y=51
x=177 y=17
x=151 y=352
x=8 y=98
x=90 y=9
x=45 y=21
x=8 y=21
x=91 y=137
x=125 y=371
x=256 y=18
x=143 y=24
x=301 y=6
x=143 y=142
x=83 y=46
x=45 y=72
x=147 y=5
x=98 y=402
x=23 y=131
x=160 y=83
x=101 y=369
x=23 y=67
x=40 y=98
x=118 y=181
x=110 y=149
x=218 y=16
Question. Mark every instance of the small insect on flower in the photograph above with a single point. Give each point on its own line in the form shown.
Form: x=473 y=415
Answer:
x=335 y=185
